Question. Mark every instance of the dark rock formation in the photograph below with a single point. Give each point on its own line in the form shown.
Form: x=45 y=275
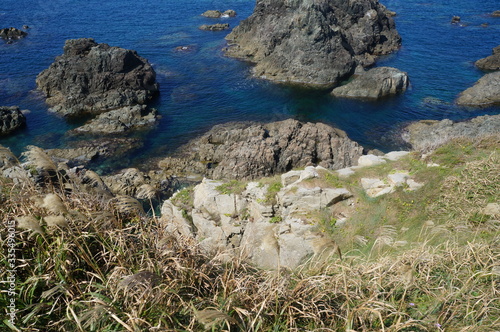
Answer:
x=10 y=34
x=11 y=118
x=427 y=135
x=250 y=151
x=94 y=78
x=455 y=20
x=313 y=42
x=217 y=13
x=120 y=120
x=485 y=92
x=374 y=84
x=496 y=13
x=490 y=63
x=215 y=27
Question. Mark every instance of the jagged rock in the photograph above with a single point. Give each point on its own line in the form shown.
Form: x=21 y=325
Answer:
x=215 y=27
x=250 y=151
x=313 y=42
x=11 y=118
x=11 y=34
x=374 y=84
x=94 y=78
x=427 y=135
x=490 y=63
x=120 y=120
x=485 y=92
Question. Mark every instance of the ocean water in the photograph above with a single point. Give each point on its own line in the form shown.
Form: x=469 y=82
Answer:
x=201 y=88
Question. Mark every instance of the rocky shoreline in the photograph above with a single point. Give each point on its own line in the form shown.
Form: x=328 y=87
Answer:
x=272 y=223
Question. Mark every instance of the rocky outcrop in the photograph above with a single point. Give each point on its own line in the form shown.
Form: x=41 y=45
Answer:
x=313 y=42
x=429 y=134
x=267 y=224
x=496 y=13
x=375 y=83
x=485 y=92
x=218 y=13
x=120 y=120
x=94 y=78
x=215 y=27
x=490 y=63
x=249 y=151
x=10 y=34
x=11 y=119
x=276 y=222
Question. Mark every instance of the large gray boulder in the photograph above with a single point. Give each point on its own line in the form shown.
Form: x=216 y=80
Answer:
x=94 y=78
x=11 y=118
x=485 y=92
x=375 y=83
x=313 y=42
x=249 y=151
x=490 y=63
x=428 y=135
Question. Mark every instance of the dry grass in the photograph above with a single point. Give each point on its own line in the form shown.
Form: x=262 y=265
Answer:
x=88 y=264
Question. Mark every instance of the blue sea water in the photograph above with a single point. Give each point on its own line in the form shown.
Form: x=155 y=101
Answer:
x=202 y=88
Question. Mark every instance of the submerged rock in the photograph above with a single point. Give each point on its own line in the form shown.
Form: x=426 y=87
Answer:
x=485 y=92
x=313 y=42
x=215 y=27
x=490 y=63
x=11 y=119
x=249 y=151
x=94 y=78
x=374 y=84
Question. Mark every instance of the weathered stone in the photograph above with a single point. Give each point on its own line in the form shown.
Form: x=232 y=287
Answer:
x=370 y=160
x=249 y=151
x=345 y=172
x=94 y=78
x=429 y=134
x=398 y=179
x=375 y=83
x=11 y=119
x=490 y=63
x=311 y=42
x=270 y=233
x=212 y=14
x=120 y=120
x=485 y=92
x=395 y=155
x=290 y=177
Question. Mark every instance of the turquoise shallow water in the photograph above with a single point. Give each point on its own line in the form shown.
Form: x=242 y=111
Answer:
x=202 y=88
